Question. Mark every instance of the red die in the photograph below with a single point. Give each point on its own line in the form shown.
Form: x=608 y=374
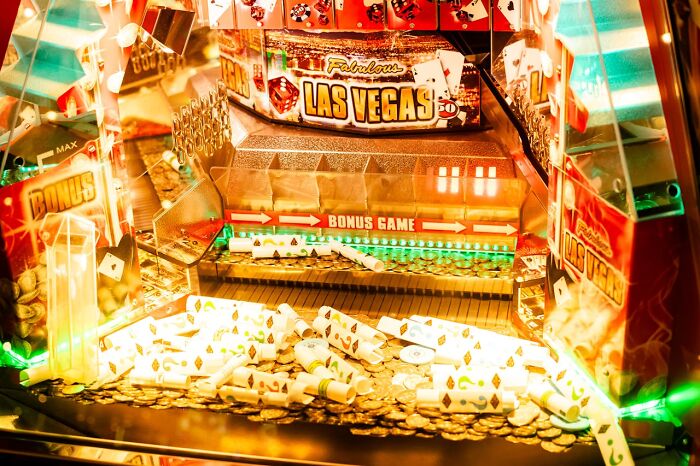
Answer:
x=258 y=78
x=323 y=6
x=405 y=9
x=283 y=94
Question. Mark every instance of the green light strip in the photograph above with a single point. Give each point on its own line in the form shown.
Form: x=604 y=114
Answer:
x=398 y=243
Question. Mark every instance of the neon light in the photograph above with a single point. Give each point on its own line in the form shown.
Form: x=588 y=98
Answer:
x=439 y=244
x=365 y=240
x=448 y=245
x=411 y=243
x=486 y=247
x=402 y=242
x=430 y=244
x=495 y=248
x=421 y=244
x=477 y=246
x=385 y=241
x=393 y=242
x=357 y=240
x=467 y=245
x=375 y=241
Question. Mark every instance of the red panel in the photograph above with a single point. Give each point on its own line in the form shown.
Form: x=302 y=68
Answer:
x=7 y=20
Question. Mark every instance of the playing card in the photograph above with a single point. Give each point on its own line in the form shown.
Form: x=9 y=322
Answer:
x=512 y=55
x=561 y=291
x=511 y=11
x=452 y=63
x=111 y=266
x=476 y=10
x=220 y=14
x=431 y=74
x=339 y=4
x=530 y=71
x=269 y=5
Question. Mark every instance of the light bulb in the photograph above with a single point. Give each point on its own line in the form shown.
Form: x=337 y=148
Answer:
x=127 y=35
x=114 y=82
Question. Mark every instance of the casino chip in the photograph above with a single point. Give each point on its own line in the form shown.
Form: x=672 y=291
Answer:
x=300 y=12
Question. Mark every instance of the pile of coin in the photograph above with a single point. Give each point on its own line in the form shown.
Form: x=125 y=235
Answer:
x=168 y=182
x=424 y=262
x=389 y=410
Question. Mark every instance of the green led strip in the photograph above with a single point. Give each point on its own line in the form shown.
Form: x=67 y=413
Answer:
x=391 y=242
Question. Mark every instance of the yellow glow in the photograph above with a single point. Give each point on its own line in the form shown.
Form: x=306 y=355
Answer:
x=51 y=115
x=28 y=12
x=666 y=37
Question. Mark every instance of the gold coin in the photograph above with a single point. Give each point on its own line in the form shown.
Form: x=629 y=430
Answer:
x=530 y=440
x=157 y=406
x=416 y=421
x=552 y=447
x=361 y=430
x=217 y=407
x=337 y=408
x=542 y=425
x=524 y=431
x=255 y=418
x=502 y=431
x=406 y=397
x=73 y=389
x=429 y=412
x=565 y=440
x=122 y=398
x=284 y=368
x=396 y=416
x=379 y=431
x=424 y=435
x=284 y=420
x=492 y=422
x=482 y=429
x=105 y=401
x=552 y=432
x=464 y=418
x=368 y=405
x=286 y=356
x=273 y=413
x=266 y=366
x=402 y=432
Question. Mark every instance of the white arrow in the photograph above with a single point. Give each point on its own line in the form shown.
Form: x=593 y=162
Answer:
x=261 y=217
x=306 y=220
x=507 y=229
x=437 y=226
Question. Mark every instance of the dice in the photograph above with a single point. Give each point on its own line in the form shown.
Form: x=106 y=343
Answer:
x=258 y=78
x=283 y=94
x=407 y=10
x=375 y=13
x=257 y=12
x=323 y=6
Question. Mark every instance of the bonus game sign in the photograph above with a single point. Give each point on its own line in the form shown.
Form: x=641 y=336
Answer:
x=384 y=81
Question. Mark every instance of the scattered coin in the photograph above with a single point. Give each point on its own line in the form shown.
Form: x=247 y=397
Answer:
x=524 y=414
x=565 y=440
x=273 y=413
x=552 y=447
x=550 y=433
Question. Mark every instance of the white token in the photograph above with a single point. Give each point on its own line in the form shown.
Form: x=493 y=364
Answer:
x=399 y=379
x=311 y=343
x=580 y=424
x=415 y=354
x=412 y=380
